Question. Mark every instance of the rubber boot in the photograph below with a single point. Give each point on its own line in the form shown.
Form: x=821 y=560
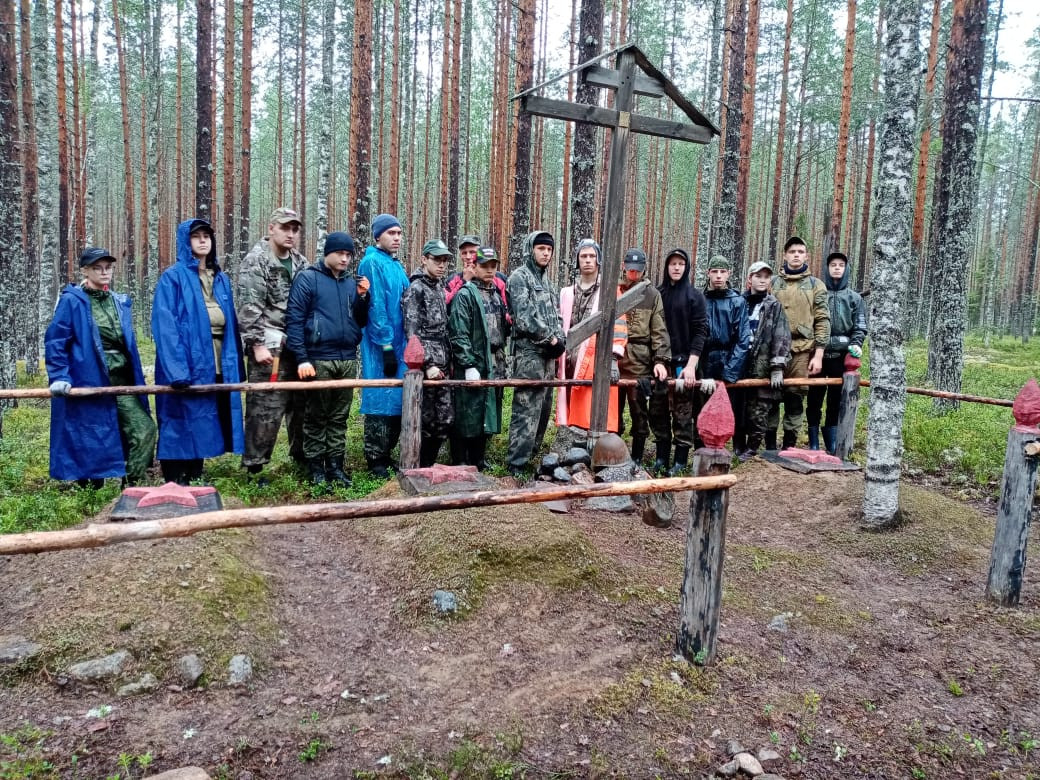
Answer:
x=790 y=439
x=315 y=471
x=770 y=440
x=429 y=449
x=663 y=459
x=830 y=439
x=814 y=437
x=478 y=452
x=682 y=461
x=334 y=471
x=638 y=445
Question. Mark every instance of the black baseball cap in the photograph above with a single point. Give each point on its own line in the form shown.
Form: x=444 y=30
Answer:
x=93 y=254
x=635 y=258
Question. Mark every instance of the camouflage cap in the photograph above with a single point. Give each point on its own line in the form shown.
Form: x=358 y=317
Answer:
x=285 y=215
x=486 y=254
x=761 y=265
x=720 y=262
x=469 y=238
x=436 y=247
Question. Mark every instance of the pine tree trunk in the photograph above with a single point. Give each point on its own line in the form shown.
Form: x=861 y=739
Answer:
x=328 y=36
x=709 y=156
x=10 y=202
x=154 y=11
x=583 y=165
x=868 y=187
x=65 y=259
x=29 y=345
x=228 y=130
x=393 y=169
x=954 y=209
x=888 y=274
x=521 y=207
x=47 y=152
x=300 y=201
x=361 y=123
x=76 y=140
x=832 y=241
x=246 y=144
x=726 y=228
x=90 y=165
x=781 y=131
x=796 y=177
x=130 y=250
x=203 y=111
x=451 y=231
x=746 y=130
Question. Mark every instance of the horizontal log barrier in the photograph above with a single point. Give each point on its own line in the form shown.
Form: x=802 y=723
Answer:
x=101 y=535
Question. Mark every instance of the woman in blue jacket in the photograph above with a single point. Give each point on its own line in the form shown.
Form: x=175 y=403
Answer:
x=196 y=343
x=91 y=343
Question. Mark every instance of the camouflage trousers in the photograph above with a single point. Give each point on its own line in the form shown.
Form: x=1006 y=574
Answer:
x=794 y=397
x=438 y=411
x=754 y=420
x=531 y=406
x=648 y=412
x=138 y=433
x=382 y=432
x=325 y=411
x=264 y=412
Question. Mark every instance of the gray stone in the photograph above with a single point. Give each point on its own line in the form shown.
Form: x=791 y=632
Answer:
x=189 y=670
x=577 y=468
x=729 y=769
x=582 y=477
x=550 y=462
x=779 y=622
x=561 y=475
x=622 y=473
x=560 y=507
x=733 y=747
x=610 y=504
x=658 y=508
x=444 y=601
x=184 y=773
x=146 y=684
x=567 y=437
x=576 y=455
x=240 y=670
x=748 y=764
x=100 y=668
x=767 y=757
x=17 y=648
x=769 y=776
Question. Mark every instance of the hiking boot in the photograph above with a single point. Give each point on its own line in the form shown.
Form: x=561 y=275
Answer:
x=379 y=470
x=790 y=439
x=770 y=440
x=638 y=445
x=814 y=437
x=334 y=472
x=316 y=471
x=664 y=456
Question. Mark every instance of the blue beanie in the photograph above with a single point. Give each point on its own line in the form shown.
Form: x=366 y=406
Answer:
x=382 y=223
x=338 y=242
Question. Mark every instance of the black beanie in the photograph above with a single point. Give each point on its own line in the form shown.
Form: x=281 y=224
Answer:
x=338 y=242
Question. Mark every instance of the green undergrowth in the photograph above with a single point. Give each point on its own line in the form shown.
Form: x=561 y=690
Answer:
x=472 y=551
x=668 y=687
x=205 y=595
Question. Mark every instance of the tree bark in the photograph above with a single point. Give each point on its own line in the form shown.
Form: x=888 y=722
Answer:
x=746 y=130
x=228 y=132
x=888 y=274
x=325 y=144
x=726 y=227
x=583 y=165
x=204 y=111
x=781 y=131
x=29 y=273
x=10 y=200
x=955 y=197
x=47 y=151
x=246 y=143
x=521 y=208
x=832 y=241
x=361 y=123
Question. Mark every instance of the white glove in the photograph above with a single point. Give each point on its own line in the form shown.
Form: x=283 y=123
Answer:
x=680 y=384
x=707 y=386
x=60 y=388
x=472 y=375
x=434 y=373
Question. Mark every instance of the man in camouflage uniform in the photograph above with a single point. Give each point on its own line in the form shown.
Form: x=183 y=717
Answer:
x=804 y=298
x=426 y=316
x=538 y=340
x=647 y=356
x=264 y=281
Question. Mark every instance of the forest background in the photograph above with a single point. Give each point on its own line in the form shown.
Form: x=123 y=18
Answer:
x=120 y=119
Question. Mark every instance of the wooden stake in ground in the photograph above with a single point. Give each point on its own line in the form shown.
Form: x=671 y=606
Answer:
x=847 y=415
x=1007 y=563
x=700 y=601
x=411 y=404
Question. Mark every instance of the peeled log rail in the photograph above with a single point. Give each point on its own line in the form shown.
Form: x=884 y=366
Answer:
x=101 y=535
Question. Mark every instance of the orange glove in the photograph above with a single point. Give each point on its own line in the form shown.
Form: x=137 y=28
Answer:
x=362 y=286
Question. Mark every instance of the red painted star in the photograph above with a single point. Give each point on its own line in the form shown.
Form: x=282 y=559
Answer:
x=809 y=456
x=170 y=493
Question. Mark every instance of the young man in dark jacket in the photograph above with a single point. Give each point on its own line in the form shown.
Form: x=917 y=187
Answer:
x=323 y=320
x=426 y=316
x=848 y=332
x=685 y=315
x=767 y=358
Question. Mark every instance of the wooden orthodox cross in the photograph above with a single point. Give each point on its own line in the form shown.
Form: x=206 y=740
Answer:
x=633 y=74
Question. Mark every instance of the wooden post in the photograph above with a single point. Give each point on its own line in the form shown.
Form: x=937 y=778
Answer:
x=411 y=404
x=700 y=600
x=847 y=414
x=1007 y=563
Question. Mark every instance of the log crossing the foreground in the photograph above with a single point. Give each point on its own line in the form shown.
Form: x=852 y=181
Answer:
x=104 y=534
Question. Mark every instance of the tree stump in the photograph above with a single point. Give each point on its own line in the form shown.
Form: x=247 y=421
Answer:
x=1007 y=563
x=701 y=598
x=847 y=414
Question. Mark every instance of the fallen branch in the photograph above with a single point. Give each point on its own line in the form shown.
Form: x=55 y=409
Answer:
x=101 y=535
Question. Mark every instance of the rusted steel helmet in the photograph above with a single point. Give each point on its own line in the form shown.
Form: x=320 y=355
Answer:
x=610 y=450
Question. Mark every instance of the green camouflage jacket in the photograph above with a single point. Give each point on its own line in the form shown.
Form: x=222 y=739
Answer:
x=534 y=301
x=262 y=292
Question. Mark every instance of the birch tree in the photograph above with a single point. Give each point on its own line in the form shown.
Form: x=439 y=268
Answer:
x=10 y=199
x=889 y=277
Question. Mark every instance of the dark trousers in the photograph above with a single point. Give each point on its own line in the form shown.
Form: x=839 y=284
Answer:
x=832 y=367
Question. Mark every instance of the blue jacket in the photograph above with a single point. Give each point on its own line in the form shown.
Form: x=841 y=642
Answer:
x=85 y=441
x=729 y=335
x=324 y=316
x=385 y=326
x=189 y=425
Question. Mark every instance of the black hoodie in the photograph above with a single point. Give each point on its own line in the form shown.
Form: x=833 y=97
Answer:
x=685 y=313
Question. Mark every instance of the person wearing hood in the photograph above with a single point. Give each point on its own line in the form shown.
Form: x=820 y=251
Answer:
x=804 y=299
x=425 y=314
x=848 y=316
x=577 y=302
x=647 y=358
x=538 y=340
x=685 y=315
x=770 y=348
x=382 y=344
x=90 y=342
x=262 y=293
x=327 y=310
x=729 y=333
x=196 y=343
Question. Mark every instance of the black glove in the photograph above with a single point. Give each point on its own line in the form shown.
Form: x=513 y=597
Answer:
x=644 y=387
x=180 y=384
x=553 y=351
x=389 y=363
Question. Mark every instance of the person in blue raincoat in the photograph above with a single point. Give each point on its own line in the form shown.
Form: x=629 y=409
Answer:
x=196 y=343
x=382 y=343
x=91 y=343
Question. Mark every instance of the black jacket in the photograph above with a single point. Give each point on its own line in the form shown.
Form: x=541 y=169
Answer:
x=685 y=313
x=324 y=316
